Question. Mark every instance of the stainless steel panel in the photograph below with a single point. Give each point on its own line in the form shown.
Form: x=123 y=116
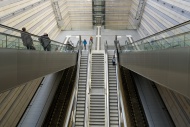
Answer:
x=169 y=67
x=20 y=66
x=8 y=61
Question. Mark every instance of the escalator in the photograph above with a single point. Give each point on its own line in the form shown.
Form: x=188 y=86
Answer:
x=113 y=93
x=162 y=57
x=58 y=109
x=134 y=106
x=81 y=97
x=23 y=65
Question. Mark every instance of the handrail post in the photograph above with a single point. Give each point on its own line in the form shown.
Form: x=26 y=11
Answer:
x=115 y=42
x=6 y=41
x=80 y=44
x=115 y=37
x=184 y=41
x=79 y=39
x=18 y=44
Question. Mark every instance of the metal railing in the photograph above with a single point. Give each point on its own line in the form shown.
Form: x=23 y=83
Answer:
x=176 y=36
x=72 y=108
x=11 y=38
x=121 y=107
x=88 y=87
x=107 y=84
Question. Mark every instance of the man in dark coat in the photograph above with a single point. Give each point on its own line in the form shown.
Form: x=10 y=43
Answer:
x=45 y=42
x=26 y=39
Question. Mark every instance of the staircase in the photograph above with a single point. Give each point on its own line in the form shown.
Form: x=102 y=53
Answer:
x=97 y=106
x=81 y=97
x=113 y=96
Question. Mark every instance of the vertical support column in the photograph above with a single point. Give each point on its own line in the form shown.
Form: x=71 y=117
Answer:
x=116 y=46
x=57 y=13
x=115 y=42
x=140 y=11
x=80 y=44
x=80 y=40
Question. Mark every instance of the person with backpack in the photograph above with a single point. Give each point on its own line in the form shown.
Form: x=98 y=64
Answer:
x=85 y=42
x=45 y=42
x=27 y=39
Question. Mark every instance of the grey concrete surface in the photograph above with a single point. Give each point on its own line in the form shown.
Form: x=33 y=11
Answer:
x=106 y=35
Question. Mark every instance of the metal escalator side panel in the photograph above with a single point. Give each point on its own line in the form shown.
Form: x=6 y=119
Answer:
x=23 y=66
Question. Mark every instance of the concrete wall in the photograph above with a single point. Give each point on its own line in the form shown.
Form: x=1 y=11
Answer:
x=135 y=12
x=14 y=102
x=118 y=15
x=161 y=14
x=36 y=15
x=177 y=105
x=76 y=14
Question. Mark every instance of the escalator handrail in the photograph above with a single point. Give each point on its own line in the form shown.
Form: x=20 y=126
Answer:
x=73 y=104
x=120 y=98
x=10 y=28
x=57 y=43
x=88 y=86
x=166 y=30
x=155 y=41
x=107 y=84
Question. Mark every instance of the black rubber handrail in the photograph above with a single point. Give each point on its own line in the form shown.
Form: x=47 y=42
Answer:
x=164 y=38
x=168 y=29
x=9 y=35
x=37 y=40
x=10 y=28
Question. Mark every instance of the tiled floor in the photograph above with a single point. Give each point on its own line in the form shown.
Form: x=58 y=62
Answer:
x=106 y=35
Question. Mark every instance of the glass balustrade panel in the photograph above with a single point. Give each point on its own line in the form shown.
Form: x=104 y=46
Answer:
x=12 y=39
x=2 y=41
x=12 y=42
x=187 y=39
